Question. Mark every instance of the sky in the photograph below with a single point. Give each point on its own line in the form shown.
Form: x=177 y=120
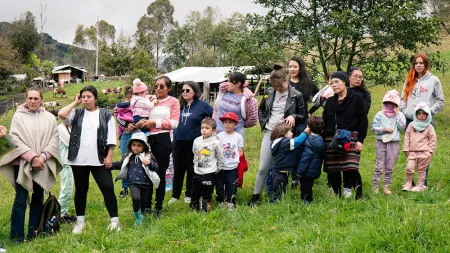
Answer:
x=64 y=16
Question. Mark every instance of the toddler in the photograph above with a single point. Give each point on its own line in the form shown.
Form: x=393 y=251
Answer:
x=141 y=103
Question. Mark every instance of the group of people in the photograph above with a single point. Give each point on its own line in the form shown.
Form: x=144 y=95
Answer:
x=208 y=142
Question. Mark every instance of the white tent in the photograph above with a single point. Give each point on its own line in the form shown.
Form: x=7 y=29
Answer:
x=202 y=74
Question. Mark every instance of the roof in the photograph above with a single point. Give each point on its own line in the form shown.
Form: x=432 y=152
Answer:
x=61 y=71
x=202 y=74
x=58 y=68
x=19 y=77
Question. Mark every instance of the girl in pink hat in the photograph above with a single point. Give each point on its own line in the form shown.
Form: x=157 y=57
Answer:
x=141 y=103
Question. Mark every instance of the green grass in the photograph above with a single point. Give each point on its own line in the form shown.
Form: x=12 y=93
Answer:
x=403 y=222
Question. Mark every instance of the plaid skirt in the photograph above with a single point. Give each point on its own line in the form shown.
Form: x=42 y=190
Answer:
x=337 y=162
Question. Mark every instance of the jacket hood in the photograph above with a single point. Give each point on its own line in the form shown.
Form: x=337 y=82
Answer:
x=427 y=75
x=23 y=109
x=123 y=105
x=316 y=142
x=421 y=125
x=275 y=145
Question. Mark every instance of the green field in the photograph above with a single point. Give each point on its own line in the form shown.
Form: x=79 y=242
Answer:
x=403 y=222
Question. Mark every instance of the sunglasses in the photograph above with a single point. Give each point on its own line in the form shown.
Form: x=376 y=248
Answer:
x=185 y=90
x=161 y=86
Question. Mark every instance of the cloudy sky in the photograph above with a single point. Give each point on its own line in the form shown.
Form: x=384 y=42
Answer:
x=63 y=16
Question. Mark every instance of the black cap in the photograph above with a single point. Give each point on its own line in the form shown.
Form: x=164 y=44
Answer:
x=342 y=76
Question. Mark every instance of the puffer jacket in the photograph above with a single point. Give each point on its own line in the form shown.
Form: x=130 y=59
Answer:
x=149 y=169
x=312 y=157
x=295 y=106
x=124 y=116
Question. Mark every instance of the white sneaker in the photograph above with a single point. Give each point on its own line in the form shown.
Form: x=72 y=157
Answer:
x=172 y=200
x=231 y=206
x=114 y=225
x=221 y=205
x=2 y=250
x=187 y=200
x=78 y=228
x=347 y=192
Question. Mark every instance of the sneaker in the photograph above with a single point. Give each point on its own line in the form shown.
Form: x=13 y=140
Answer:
x=66 y=218
x=114 y=225
x=375 y=190
x=78 y=228
x=418 y=188
x=2 y=250
x=123 y=193
x=172 y=200
x=231 y=206
x=187 y=200
x=347 y=193
x=387 y=190
x=256 y=198
x=157 y=213
x=221 y=205
x=407 y=187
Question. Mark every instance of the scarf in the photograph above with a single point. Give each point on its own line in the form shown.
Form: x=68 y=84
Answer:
x=421 y=125
x=389 y=110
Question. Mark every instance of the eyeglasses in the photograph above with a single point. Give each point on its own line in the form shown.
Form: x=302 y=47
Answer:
x=357 y=77
x=185 y=90
x=161 y=86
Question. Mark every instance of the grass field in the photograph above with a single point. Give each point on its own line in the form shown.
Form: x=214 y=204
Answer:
x=403 y=222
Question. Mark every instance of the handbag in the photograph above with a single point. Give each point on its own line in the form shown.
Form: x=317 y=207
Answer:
x=340 y=137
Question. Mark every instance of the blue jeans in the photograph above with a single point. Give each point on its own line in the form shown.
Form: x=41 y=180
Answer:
x=123 y=150
x=20 y=206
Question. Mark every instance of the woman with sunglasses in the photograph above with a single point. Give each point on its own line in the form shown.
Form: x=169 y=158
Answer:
x=234 y=99
x=163 y=118
x=356 y=81
x=192 y=111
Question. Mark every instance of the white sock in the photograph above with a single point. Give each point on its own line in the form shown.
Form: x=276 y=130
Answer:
x=80 y=219
x=115 y=219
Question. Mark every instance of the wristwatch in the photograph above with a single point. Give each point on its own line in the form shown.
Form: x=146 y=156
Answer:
x=44 y=156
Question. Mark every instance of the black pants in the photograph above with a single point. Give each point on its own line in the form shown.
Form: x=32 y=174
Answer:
x=226 y=186
x=183 y=163
x=139 y=195
x=352 y=179
x=279 y=181
x=202 y=187
x=20 y=206
x=161 y=149
x=103 y=178
x=306 y=185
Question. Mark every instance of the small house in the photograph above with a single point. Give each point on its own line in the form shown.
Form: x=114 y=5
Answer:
x=68 y=73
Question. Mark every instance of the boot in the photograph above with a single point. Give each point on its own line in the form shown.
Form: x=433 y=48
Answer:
x=256 y=198
x=387 y=190
x=375 y=190
x=206 y=206
x=409 y=181
x=139 y=218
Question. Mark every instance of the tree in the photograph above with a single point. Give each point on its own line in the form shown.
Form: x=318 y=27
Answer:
x=154 y=26
x=9 y=58
x=441 y=9
x=47 y=67
x=374 y=35
x=23 y=35
x=116 y=59
x=42 y=49
x=141 y=64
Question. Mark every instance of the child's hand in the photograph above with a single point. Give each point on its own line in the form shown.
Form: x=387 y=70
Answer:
x=307 y=130
x=388 y=130
x=146 y=162
x=406 y=153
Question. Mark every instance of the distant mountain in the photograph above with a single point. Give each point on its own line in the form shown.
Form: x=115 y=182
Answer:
x=57 y=52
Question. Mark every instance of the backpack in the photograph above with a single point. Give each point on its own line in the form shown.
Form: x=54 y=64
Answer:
x=50 y=221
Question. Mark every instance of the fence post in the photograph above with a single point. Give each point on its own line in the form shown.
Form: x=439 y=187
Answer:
x=206 y=91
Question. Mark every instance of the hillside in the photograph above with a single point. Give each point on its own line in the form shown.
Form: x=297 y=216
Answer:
x=58 y=52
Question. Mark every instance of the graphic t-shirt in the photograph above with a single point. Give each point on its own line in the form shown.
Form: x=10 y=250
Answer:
x=230 y=103
x=230 y=144
x=277 y=112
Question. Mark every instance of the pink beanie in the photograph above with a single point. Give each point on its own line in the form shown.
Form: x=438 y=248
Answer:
x=393 y=97
x=139 y=86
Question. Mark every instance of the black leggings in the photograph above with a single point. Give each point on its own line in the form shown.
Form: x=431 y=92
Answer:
x=352 y=179
x=139 y=195
x=183 y=163
x=161 y=149
x=103 y=178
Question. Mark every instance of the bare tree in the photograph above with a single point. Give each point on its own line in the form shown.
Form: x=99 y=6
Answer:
x=43 y=18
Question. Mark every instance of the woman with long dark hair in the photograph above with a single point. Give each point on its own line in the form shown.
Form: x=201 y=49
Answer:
x=356 y=83
x=192 y=111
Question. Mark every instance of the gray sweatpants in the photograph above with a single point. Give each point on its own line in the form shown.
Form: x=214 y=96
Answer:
x=387 y=154
x=265 y=160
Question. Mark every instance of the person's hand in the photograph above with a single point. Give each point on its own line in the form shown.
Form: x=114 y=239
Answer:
x=290 y=121
x=77 y=99
x=146 y=124
x=3 y=131
x=388 y=130
x=130 y=128
x=146 y=162
x=225 y=85
x=141 y=123
x=406 y=153
x=247 y=93
x=37 y=163
x=108 y=162
x=307 y=130
x=359 y=146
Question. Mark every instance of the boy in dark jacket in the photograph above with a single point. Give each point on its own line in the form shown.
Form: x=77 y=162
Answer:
x=284 y=157
x=310 y=164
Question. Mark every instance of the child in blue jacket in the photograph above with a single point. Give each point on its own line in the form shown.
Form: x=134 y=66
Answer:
x=310 y=164
x=284 y=158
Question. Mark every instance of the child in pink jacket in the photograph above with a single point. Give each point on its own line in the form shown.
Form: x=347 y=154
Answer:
x=419 y=146
x=141 y=102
